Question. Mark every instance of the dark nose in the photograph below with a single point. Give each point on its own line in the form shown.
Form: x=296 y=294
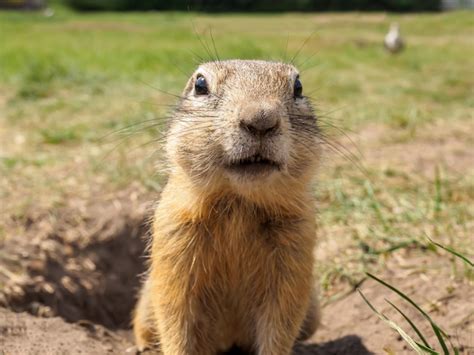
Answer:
x=260 y=122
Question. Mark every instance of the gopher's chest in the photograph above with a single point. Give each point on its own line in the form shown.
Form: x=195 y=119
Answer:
x=235 y=249
x=244 y=253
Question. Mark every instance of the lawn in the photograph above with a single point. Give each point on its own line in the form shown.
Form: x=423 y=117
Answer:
x=81 y=95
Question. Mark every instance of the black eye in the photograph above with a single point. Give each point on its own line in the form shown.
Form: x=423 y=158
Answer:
x=200 y=86
x=298 y=88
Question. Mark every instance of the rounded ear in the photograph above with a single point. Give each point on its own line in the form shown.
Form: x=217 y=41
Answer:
x=189 y=86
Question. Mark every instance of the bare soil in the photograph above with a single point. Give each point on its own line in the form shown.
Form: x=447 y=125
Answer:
x=442 y=144
x=79 y=265
x=349 y=326
x=448 y=300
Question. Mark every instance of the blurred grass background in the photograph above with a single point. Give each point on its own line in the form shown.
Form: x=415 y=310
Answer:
x=70 y=82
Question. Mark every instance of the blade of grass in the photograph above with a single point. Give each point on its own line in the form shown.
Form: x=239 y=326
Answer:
x=440 y=334
x=393 y=325
x=428 y=350
x=413 y=326
x=438 y=193
x=454 y=252
x=401 y=245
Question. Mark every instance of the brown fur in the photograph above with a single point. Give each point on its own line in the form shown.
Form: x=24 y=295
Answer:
x=232 y=254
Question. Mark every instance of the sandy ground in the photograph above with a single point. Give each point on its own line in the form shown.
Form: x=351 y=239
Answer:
x=349 y=326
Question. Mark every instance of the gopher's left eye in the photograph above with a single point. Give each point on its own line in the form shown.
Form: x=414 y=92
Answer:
x=298 y=88
x=200 y=86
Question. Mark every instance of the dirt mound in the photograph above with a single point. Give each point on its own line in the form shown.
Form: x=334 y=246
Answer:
x=22 y=333
x=84 y=268
x=349 y=326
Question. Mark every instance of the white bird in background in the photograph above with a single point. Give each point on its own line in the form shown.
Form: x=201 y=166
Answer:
x=393 y=40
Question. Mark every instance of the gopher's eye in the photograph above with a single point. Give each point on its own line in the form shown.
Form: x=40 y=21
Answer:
x=200 y=86
x=298 y=88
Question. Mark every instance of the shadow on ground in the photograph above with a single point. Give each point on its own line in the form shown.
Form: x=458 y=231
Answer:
x=347 y=345
x=92 y=275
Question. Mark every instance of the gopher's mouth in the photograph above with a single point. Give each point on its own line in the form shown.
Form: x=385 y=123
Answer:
x=253 y=165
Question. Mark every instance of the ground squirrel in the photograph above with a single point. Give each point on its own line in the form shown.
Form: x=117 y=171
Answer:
x=233 y=237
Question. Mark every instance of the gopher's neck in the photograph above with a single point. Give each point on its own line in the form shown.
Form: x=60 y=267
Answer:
x=198 y=204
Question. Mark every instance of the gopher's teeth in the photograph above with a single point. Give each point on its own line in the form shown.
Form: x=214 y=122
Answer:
x=254 y=159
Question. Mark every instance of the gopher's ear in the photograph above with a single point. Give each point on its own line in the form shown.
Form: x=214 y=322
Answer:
x=189 y=86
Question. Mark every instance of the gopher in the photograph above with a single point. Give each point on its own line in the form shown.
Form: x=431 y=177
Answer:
x=232 y=250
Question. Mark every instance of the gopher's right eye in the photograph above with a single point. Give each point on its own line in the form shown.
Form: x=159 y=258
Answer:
x=200 y=86
x=298 y=88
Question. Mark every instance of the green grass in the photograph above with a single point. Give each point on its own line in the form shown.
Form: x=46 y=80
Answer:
x=75 y=90
x=421 y=346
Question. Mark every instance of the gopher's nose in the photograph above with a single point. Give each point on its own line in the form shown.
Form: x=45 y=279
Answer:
x=260 y=122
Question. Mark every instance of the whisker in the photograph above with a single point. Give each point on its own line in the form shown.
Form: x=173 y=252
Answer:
x=203 y=44
x=214 y=45
x=292 y=61
x=163 y=91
